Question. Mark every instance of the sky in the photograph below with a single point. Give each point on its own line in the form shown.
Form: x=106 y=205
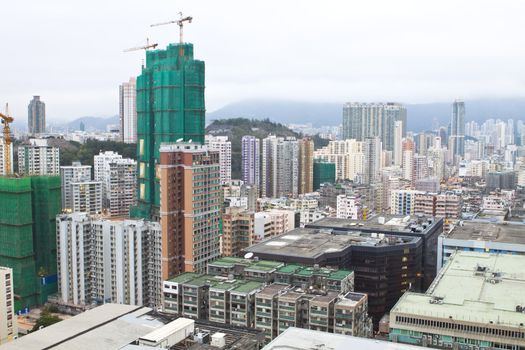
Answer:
x=71 y=52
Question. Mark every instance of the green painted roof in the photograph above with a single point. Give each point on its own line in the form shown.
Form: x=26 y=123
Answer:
x=184 y=277
x=264 y=265
x=229 y=261
x=340 y=274
x=247 y=286
x=290 y=268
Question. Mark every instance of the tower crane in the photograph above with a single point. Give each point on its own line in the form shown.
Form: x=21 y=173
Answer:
x=145 y=47
x=6 y=120
x=180 y=23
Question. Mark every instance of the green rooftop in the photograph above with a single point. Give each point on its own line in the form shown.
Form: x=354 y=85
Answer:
x=290 y=268
x=230 y=261
x=184 y=277
x=247 y=286
x=264 y=265
x=340 y=274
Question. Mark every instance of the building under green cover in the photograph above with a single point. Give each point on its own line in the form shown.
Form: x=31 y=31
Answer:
x=28 y=208
x=170 y=106
x=323 y=172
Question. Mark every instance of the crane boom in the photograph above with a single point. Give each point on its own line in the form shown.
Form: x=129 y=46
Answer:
x=145 y=47
x=180 y=23
x=6 y=120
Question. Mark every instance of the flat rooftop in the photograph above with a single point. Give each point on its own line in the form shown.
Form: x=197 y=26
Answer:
x=273 y=289
x=297 y=338
x=382 y=223
x=491 y=232
x=107 y=327
x=312 y=243
x=475 y=287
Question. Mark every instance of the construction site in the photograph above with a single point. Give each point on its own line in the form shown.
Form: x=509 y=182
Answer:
x=28 y=207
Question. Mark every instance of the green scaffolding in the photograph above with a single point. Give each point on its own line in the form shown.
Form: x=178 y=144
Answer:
x=28 y=207
x=170 y=106
x=324 y=172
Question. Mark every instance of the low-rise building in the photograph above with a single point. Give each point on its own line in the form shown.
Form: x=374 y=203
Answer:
x=476 y=301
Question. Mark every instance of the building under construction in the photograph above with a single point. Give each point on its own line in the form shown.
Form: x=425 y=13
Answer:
x=28 y=207
x=170 y=106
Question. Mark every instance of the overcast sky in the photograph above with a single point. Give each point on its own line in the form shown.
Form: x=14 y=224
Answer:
x=70 y=52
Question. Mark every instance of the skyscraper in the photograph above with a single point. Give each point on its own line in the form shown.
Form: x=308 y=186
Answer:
x=362 y=120
x=457 y=129
x=36 y=116
x=280 y=167
x=128 y=111
x=68 y=175
x=372 y=151
x=306 y=165
x=190 y=204
x=224 y=147
x=250 y=163
x=170 y=106
x=398 y=142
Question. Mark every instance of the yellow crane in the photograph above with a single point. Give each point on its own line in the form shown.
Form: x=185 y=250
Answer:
x=6 y=120
x=180 y=23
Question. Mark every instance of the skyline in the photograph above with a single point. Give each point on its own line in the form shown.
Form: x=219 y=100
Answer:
x=455 y=53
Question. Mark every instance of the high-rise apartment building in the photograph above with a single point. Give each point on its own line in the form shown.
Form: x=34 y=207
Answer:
x=280 y=167
x=170 y=106
x=3 y=163
x=398 y=143
x=101 y=164
x=224 y=147
x=250 y=162
x=108 y=261
x=306 y=165
x=457 y=129
x=363 y=120
x=36 y=116
x=8 y=325
x=28 y=208
x=348 y=157
x=38 y=158
x=238 y=231
x=128 y=111
x=324 y=172
x=372 y=152
x=190 y=207
x=408 y=148
x=86 y=197
x=119 y=186
x=68 y=175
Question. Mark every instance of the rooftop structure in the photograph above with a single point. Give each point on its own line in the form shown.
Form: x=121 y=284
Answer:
x=476 y=299
x=297 y=338
x=115 y=326
x=505 y=237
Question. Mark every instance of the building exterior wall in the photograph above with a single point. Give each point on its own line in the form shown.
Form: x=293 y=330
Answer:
x=36 y=116
x=8 y=323
x=128 y=111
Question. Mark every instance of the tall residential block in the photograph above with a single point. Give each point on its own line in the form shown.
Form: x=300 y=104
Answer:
x=372 y=152
x=457 y=129
x=306 y=165
x=348 y=157
x=170 y=106
x=86 y=197
x=362 y=120
x=280 y=167
x=128 y=111
x=28 y=207
x=8 y=324
x=238 y=231
x=250 y=162
x=36 y=116
x=108 y=261
x=398 y=143
x=69 y=174
x=38 y=158
x=224 y=147
x=190 y=207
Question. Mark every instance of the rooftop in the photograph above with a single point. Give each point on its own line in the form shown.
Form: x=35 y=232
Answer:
x=247 y=287
x=383 y=223
x=476 y=287
x=273 y=289
x=249 y=264
x=492 y=232
x=297 y=338
x=312 y=243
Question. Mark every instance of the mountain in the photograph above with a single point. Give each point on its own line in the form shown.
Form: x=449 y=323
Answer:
x=91 y=123
x=420 y=116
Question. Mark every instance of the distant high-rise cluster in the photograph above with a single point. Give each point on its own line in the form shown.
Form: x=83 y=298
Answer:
x=36 y=116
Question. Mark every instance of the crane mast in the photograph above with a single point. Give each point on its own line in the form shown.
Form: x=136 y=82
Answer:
x=6 y=120
x=180 y=23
